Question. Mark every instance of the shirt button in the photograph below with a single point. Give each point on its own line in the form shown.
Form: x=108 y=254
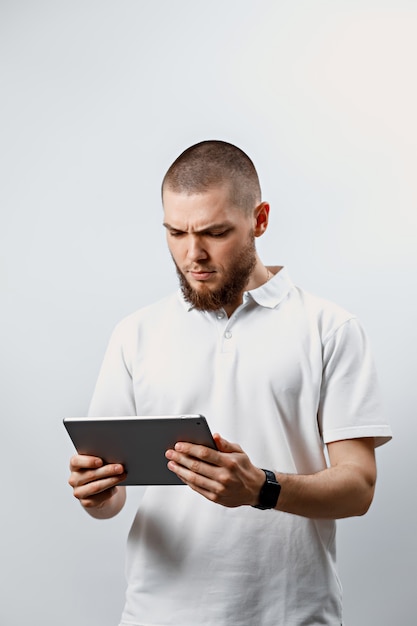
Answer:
x=227 y=334
x=220 y=315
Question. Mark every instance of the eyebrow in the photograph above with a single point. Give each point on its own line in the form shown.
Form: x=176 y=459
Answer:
x=202 y=231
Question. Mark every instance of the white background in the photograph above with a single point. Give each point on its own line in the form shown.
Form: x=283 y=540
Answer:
x=97 y=99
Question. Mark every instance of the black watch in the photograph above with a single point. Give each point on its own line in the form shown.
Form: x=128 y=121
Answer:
x=268 y=495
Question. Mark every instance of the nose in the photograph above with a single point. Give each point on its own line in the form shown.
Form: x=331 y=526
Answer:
x=196 y=251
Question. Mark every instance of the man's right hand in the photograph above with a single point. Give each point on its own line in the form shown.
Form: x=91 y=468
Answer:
x=95 y=485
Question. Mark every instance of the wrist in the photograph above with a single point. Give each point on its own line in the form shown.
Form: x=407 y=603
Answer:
x=269 y=491
x=258 y=484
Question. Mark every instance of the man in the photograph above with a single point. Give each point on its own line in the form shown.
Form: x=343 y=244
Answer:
x=278 y=370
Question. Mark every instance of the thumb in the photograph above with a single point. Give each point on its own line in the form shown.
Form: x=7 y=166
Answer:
x=225 y=446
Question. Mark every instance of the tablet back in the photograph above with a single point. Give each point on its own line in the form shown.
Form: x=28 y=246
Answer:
x=138 y=443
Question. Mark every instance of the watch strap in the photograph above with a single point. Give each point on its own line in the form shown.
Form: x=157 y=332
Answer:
x=269 y=493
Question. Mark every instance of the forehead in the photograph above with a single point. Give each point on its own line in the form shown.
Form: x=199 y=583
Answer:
x=193 y=211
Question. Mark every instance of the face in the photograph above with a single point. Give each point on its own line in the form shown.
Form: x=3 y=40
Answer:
x=212 y=245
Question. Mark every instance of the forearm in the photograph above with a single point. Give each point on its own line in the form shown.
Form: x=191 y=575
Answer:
x=228 y=477
x=336 y=492
x=108 y=508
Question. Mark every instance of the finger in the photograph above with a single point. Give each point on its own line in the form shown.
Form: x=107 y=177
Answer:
x=187 y=468
x=84 y=461
x=86 y=476
x=92 y=489
x=203 y=466
x=208 y=455
x=199 y=476
x=214 y=489
x=225 y=446
x=99 y=499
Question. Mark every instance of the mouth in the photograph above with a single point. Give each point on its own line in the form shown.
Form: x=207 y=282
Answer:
x=201 y=275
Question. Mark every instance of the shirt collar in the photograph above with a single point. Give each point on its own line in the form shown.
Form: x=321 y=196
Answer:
x=273 y=292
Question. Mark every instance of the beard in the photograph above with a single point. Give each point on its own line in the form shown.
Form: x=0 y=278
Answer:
x=235 y=279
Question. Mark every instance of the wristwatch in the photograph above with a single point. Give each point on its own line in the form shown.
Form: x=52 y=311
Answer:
x=268 y=495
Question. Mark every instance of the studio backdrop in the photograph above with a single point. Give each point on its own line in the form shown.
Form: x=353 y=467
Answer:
x=97 y=99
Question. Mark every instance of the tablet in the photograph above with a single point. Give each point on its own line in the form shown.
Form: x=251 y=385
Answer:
x=139 y=443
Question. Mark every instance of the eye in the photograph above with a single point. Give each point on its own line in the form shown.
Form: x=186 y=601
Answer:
x=223 y=233
x=176 y=233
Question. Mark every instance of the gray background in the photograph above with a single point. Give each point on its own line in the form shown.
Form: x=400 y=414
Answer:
x=97 y=99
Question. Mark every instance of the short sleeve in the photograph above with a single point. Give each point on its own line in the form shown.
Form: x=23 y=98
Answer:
x=350 y=405
x=113 y=394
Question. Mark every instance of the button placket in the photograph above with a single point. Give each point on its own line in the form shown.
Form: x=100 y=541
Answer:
x=227 y=335
x=221 y=321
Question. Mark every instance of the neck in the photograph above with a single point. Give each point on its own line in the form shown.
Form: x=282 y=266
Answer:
x=260 y=275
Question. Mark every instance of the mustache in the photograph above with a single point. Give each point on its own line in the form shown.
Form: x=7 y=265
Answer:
x=200 y=268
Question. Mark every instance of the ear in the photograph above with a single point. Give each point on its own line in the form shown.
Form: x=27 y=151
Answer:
x=261 y=216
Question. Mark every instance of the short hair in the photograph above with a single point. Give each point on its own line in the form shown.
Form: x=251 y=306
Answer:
x=213 y=163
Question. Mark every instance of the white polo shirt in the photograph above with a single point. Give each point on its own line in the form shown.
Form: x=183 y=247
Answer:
x=287 y=373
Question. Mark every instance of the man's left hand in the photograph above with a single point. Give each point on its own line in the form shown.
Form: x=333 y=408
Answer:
x=225 y=476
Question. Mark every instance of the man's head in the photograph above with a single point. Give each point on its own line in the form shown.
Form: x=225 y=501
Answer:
x=212 y=214
x=210 y=164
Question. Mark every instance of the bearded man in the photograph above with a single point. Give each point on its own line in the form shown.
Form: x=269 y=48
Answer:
x=250 y=539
